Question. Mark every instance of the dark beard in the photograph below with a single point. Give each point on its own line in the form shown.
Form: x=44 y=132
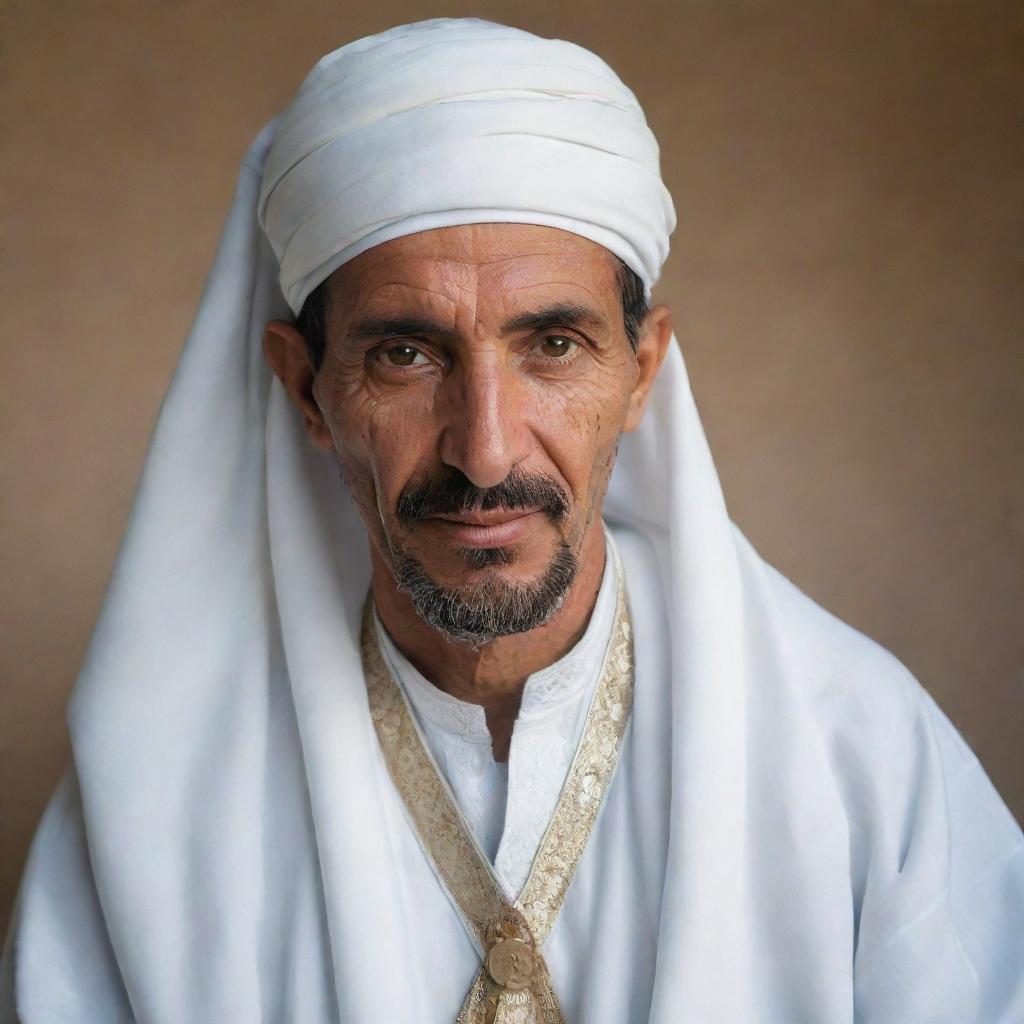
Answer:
x=476 y=613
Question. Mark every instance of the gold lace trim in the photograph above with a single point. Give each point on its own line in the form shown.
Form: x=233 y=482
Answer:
x=491 y=919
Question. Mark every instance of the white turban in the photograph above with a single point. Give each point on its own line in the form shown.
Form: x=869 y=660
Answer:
x=459 y=122
x=228 y=846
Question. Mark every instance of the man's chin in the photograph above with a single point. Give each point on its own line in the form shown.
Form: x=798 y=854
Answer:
x=475 y=595
x=458 y=566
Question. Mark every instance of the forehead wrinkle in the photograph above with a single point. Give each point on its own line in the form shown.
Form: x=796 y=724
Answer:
x=529 y=254
x=461 y=279
x=580 y=265
x=539 y=296
x=433 y=249
x=471 y=292
x=416 y=292
x=571 y=292
x=418 y=303
x=453 y=303
x=355 y=274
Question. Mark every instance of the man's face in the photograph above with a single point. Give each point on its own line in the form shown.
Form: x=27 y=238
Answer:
x=475 y=383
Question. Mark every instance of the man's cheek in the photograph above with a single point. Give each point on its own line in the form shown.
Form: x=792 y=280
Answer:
x=358 y=479
x=380 y=457
x=392 y=446
x=580 y=436
x=366 y=430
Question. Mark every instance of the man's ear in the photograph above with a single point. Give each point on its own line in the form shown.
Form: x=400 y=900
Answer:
x=286 y=351
x=655 y=338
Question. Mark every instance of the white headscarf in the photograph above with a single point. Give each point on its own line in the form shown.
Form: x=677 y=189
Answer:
x=459 y=122
x=225 y=810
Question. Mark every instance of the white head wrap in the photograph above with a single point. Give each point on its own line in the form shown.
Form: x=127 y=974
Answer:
x=227 y=847
x=459 y=122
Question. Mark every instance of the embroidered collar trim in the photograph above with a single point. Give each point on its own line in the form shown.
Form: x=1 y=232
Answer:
x=513 y=985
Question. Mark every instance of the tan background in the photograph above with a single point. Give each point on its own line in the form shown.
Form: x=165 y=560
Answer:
x=846 y=277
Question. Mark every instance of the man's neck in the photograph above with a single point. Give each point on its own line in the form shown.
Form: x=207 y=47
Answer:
x=494 y=674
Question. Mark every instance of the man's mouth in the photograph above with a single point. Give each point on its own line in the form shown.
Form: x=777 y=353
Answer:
x=493 y=528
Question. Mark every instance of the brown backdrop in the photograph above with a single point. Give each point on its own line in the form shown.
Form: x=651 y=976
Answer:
x=846 y=276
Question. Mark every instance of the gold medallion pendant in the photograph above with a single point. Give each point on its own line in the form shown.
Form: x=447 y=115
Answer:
x=512 y=985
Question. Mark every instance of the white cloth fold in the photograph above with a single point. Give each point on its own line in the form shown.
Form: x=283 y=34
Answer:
x=794 y=833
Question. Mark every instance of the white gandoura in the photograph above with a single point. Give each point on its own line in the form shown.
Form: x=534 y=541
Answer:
x=794 y=831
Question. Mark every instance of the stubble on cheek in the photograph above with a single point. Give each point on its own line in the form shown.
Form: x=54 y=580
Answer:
x=378 y=436
x=353 y=445
x=603 y=466
x=597 y=439
x=359 y=484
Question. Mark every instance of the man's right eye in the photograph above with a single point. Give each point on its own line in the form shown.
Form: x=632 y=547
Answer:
x=403 y=355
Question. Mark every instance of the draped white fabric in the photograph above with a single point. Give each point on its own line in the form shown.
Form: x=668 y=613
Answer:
x=794 y=832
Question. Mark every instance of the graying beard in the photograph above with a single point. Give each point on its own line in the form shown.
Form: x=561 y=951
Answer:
x=478 y=613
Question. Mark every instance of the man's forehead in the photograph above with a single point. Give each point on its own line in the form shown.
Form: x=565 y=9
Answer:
x=502 y=259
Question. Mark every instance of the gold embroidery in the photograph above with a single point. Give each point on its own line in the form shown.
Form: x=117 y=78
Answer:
x=513 y=985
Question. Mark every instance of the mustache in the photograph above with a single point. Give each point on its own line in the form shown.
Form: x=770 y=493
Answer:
x=456 y=494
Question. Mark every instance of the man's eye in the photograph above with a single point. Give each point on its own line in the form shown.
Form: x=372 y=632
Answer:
x=403 y=355
x=557 y=346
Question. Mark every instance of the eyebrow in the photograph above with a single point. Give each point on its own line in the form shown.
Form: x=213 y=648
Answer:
x=564 y=314
x=376 y=327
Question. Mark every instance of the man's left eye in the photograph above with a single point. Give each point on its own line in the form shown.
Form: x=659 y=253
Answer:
x=557 y=346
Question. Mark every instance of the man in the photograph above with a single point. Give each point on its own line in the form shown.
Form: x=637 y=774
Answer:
x=508 y=722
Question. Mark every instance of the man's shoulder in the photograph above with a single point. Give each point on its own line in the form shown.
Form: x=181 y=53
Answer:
x=878 y=727
x=851 y=681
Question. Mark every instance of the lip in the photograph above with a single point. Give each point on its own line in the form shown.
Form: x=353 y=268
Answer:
x=492 y=529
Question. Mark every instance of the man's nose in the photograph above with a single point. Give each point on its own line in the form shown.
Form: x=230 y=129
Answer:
x=485 y=432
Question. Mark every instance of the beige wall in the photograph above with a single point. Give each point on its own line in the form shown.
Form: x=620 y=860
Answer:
x=846 y=276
